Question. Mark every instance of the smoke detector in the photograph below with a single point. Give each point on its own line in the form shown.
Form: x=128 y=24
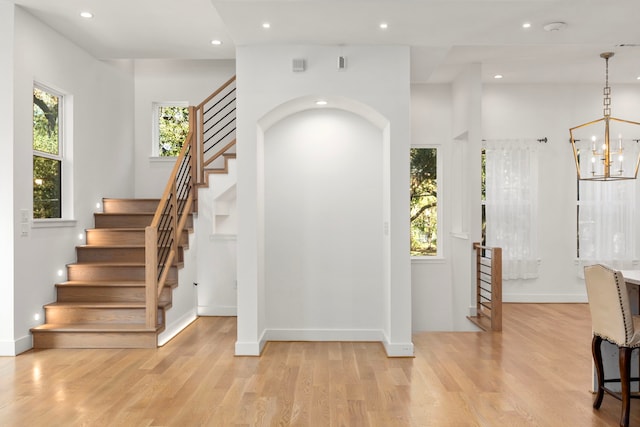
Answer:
x=555 y=26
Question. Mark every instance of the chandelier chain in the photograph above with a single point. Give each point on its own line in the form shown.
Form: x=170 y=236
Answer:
x=607 y=89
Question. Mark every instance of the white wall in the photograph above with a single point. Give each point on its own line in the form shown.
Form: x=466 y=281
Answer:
x=377 y=78
x=7 y=280
x=102 y=131
x=431 y=278
x=217 y=234
x=323 y=216
x=168 y=81
x=464 y=173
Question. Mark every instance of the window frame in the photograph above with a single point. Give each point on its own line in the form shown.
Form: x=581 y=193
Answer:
x=64 y=147
x=439 y=255
x=155 y=126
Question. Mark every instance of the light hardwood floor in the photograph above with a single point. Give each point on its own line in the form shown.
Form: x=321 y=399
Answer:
x=535 y=373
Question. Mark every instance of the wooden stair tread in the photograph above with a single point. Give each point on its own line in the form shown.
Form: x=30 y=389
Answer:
x=115 y=264
x=106 y=305
x=130 y=199
x=112 y=283
x=127 y=229
x=103 y=246
x=482 y=322
x=124 y=213
x=110 y=246
x=215 y=170
x=93 y=327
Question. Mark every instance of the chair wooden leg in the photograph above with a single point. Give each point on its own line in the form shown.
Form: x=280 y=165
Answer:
x=625 y=384
x=596 y=344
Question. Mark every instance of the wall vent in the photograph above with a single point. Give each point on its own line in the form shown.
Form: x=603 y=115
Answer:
x=342 y=62
x=299 y=65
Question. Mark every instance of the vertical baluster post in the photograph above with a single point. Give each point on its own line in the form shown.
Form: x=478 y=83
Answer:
x=151 y=277
x=173 y=236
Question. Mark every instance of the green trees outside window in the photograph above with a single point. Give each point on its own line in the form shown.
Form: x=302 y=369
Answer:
x=173 y=127
x=47 y=156
x=424 y=201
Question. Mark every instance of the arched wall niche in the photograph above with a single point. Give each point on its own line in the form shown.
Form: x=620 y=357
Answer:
x=323 y=202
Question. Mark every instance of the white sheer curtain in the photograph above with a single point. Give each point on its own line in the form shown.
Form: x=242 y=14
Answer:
x=512 y=204
x=606 y=223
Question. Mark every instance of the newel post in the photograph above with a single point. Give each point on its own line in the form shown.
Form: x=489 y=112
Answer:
x=496 y=287
x=151 y=277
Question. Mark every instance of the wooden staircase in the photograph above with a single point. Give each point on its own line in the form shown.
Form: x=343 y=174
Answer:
x=118 y=291
x=102 y=303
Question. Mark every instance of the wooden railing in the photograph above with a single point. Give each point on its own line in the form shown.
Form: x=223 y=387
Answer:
x=488 y=288
x=212 y=131
x=216 y=126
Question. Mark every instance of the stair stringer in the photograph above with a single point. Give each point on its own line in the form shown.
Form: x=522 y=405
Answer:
x=183 y=310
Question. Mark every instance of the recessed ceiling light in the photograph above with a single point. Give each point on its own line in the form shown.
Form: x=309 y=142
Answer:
x=321 y=102
x=384 y=25
x=497 y=76
x=638 y=78
x=526 y=25
x=266 y=25
x=216 y=42
x=86 y=15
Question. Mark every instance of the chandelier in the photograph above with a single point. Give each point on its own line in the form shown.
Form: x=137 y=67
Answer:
x=606 y=149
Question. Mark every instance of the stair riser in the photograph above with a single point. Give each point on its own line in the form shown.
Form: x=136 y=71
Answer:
x=107 y=294
x=128 y=221
x=123 y=237
x=80 y=272
x=71 y=315
x=115 y=254
x=129 y=205
x=94 y=340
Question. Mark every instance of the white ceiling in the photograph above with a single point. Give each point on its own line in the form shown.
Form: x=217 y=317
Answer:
x=444 y=35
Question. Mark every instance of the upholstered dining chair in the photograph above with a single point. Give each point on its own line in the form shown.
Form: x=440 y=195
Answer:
x=612 y=321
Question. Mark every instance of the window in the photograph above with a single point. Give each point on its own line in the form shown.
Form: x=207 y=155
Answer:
x=424 y=201
x=510 y=187
x=606 y=223
x=47 y=153
x=170 y=128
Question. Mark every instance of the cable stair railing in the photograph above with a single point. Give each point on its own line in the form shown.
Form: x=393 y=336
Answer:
x=488 y=288
x=210 y=141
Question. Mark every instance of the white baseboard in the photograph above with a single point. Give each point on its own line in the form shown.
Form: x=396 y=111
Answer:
x=398 y=349
x=217 y=310
x=13 y=348
x=369 y=335
x=545 y=298
x=176 y=327
x=24 y=344
x=323 y=335
x=7 y=348
x=250 y=348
